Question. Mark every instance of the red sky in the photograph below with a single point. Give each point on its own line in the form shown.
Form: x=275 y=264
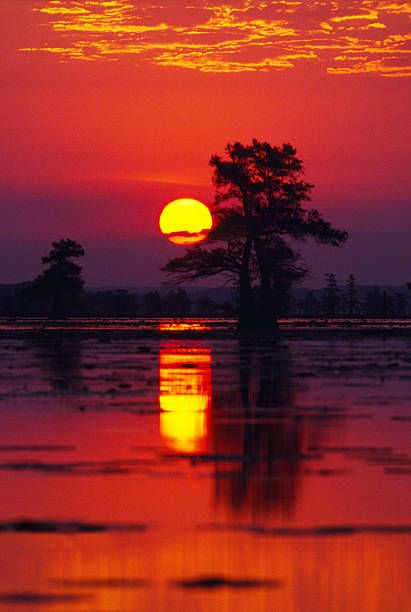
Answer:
x=112 y=108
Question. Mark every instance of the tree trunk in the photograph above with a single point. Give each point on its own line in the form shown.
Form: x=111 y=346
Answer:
x=247 y=312
x=266 y=312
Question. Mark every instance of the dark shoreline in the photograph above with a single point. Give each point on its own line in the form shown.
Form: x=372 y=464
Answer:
x=108 y=329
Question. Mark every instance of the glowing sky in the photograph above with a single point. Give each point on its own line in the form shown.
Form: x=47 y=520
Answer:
x=112 y=108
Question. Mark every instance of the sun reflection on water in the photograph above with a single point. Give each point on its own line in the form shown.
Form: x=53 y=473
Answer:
x=185 y=396
x=183 y=326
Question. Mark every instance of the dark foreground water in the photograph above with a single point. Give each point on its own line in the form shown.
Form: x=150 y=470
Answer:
x=193 y=471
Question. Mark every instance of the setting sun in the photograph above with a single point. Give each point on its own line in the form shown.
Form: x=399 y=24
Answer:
x=185 y=221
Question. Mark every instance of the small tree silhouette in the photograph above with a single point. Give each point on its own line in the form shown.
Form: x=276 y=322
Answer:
x=176 y=303
x=310 y=305
x=61 y=282
x=375 y=303
x=351 y=296
x=331 y=296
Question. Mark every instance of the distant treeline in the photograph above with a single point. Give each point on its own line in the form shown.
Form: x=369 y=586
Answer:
x=376 y=303
x=14 y=301
x=331 y=301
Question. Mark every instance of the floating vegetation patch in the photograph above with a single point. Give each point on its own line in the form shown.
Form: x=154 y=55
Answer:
x=218 y=582
x=41 y=598
x=320 y=531
x=66 y=527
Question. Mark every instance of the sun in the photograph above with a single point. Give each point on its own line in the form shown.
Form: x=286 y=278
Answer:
x=185 y=221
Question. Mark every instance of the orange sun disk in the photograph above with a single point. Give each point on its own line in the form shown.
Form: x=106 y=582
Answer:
x=185 y=221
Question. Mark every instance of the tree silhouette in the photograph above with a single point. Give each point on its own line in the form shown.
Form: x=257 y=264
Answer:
x=311 y=305
x=61 y=282
x=153 y=306
x=375 y=303
x=397 y=305
x=176 y=303
x=351 y=296
x=331 y=297
x=258 y=216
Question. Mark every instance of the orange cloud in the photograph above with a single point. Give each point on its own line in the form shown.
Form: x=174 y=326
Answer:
x=235 y=37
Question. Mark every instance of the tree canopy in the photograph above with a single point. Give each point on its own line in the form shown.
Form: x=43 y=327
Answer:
x=259 y=217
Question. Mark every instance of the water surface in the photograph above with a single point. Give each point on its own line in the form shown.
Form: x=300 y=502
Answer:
x=197 y=471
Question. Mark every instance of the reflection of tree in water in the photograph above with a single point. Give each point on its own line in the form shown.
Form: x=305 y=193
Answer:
x=61 y=358
x=260 y=428
x=236 y=410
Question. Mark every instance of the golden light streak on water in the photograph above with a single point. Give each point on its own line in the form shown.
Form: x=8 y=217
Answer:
x=184 y=397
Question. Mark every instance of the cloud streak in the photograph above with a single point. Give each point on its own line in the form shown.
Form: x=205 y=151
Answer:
x=345 y=37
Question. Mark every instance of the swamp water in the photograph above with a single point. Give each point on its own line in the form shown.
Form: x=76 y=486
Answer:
x=197 y=472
